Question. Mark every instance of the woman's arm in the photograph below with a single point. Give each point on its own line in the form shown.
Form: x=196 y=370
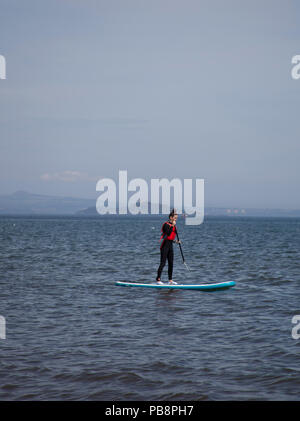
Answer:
x=167 y=229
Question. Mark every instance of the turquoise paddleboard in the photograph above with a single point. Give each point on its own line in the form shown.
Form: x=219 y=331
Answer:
x=203 y=287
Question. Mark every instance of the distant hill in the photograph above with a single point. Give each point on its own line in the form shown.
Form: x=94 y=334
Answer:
x=22 y=202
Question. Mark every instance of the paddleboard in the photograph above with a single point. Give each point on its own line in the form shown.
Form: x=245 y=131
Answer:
x=203 y=287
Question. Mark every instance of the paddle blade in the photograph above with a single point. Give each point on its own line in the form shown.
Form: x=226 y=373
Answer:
x=186 y=266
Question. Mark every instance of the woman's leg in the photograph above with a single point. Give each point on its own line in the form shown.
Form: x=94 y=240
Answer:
x=170 y=262
x=163 y=258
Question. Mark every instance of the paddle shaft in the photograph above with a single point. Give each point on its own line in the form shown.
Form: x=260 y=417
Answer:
x=179 y=245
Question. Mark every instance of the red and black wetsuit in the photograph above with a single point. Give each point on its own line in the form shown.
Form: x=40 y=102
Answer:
x=166 y=248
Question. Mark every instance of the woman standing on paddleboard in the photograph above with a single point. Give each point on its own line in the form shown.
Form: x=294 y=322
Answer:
x=166 y=247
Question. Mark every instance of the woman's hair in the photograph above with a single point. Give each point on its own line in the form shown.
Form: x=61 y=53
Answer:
x=172 y=213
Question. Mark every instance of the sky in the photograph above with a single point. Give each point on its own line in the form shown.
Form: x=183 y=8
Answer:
x=160 y=88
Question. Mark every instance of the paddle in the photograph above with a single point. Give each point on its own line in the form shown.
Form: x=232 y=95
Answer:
x=181 y=249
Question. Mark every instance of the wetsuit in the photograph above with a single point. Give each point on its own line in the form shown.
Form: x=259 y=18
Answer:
x=166 y=249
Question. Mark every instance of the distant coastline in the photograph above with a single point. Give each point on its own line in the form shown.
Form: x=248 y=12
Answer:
x=28 y=204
